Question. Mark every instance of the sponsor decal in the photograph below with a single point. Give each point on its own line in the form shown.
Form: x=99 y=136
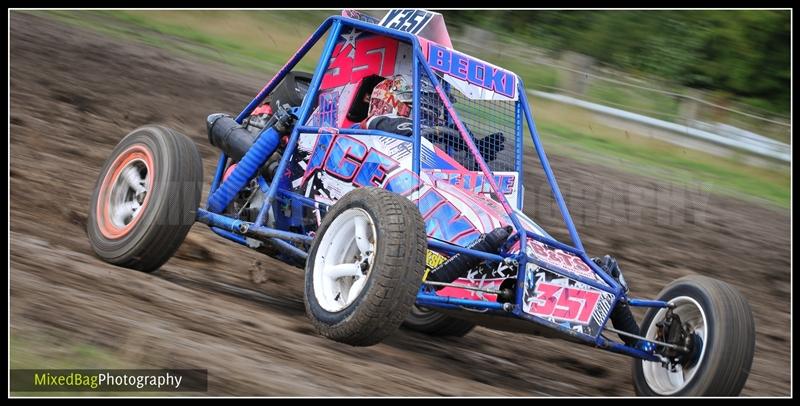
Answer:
x=327 y=113
x=407 y=20
x=356 y=58
x=434 y=259
x=565 y=301
x=473 y=71
x=561 y=259
x=341 y=163
x=475 y=181
x=603 y=308
x=479 y=277
x=483 y=283
x=562 y=302
x=355 y=14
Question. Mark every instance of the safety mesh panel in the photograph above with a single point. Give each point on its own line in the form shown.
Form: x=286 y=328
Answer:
x=491 y=123
x=483 y=119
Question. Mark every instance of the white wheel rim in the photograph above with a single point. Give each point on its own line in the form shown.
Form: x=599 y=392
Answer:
x=128 y=193
x=660 y=379
x=344 y=260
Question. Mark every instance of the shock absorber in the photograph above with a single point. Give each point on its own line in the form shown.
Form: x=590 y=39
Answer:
x=621 y=317
x=236 y=141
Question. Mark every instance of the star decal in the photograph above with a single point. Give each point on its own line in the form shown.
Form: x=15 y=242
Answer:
x=350 y=39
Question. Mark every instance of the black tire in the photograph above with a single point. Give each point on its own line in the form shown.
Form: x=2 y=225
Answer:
x=436 y=324
x=730 y=339
x=291 y=90
x=393 y=279
x=169 y=206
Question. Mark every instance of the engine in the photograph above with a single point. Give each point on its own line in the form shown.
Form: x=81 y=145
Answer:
x=237 y=139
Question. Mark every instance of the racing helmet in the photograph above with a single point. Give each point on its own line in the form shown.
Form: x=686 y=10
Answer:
x=394 y=95
x=391 y=96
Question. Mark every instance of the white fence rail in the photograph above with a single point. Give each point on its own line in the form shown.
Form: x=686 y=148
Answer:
x=719 y=134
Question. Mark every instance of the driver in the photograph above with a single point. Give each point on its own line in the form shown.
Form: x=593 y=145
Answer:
x=390 y=107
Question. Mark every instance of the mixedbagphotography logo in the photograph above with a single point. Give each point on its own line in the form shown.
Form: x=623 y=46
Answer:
x=109 y=380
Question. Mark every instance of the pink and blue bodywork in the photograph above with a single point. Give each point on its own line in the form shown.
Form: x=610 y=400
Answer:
x=456 y=203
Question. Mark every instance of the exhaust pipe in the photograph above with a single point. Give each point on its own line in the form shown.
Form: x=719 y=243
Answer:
x=458 y=265
x=229 y=136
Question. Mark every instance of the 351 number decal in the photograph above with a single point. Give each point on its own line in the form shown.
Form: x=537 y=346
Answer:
x=563 y=303
x=355 y=59
x=408 y=20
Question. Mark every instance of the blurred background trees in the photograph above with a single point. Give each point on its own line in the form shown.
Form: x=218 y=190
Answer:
x=743 y=53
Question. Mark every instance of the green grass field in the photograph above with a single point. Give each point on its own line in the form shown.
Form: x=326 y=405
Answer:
x=263 y=40
x=41 y=352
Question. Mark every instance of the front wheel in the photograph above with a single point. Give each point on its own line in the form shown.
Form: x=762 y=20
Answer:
x=365 y=266
x=715 y=322
x=146 y=198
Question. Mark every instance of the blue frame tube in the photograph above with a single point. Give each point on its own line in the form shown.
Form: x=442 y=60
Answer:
x=282 y=245
x=519 y=154
x=647 y=303
x=229 y=228
x=416 y=135
x=625 y=350
x=243 y=227
x=262 y=184
x=353 y=131
x=218 y=220
x=301 y=52
x=300 y=198
x=565 y=273
x=443 y=246
x=522 y=268
x=268 y=232
x=229 y=235
x=552 y=242
x=562 y=206
x=305 y=110
x=603 y=275
x=479 y=304
x=223 y=159
x=585 y=339
x=289 y=248
x=560 y=245
x=447 y=306
x=599 y=342
x=471 y=145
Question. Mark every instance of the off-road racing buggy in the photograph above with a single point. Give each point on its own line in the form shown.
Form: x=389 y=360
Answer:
x=421 y=227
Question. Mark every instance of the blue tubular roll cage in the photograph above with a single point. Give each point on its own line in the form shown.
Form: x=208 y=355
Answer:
x=237 y=230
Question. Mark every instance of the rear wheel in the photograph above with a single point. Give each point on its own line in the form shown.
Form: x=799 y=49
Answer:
x=718 y=328
x=365 y=266
x=433 y=323
x=145 y=200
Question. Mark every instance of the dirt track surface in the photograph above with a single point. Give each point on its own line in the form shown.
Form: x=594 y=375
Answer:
x=75 y=94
